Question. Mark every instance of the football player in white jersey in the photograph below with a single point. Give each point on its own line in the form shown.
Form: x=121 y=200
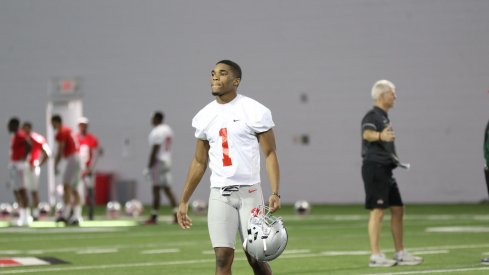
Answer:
x=159 y=165
x=230 y=132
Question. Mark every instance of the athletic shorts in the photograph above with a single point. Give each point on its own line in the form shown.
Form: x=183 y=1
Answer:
x=71 y=173
x=229 y=215
x=31 y=177
x=160 y=174
x=16 y=174
x=381 y=188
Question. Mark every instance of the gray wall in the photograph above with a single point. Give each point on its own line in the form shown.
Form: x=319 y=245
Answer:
x=139 y=56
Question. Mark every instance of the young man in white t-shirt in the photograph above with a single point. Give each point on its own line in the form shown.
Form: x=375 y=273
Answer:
x=159 y=165
x=230 y=132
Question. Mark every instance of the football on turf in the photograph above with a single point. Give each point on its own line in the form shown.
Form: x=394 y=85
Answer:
x=113 y=210
x=5 y=211
x=199 y=207
x=302 y=207
x=44 y=209
x=133 y=208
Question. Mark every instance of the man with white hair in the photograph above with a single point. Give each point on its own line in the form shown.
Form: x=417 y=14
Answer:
x=379 y=159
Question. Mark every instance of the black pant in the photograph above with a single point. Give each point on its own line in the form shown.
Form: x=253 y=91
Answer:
x=486 y=172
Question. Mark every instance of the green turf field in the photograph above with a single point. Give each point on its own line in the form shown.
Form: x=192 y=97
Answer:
x=331 y=240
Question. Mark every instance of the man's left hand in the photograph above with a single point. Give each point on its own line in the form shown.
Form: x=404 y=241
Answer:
x=273 y=203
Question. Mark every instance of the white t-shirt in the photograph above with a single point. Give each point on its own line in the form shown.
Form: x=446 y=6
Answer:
x=231 y=129
x=162 y=135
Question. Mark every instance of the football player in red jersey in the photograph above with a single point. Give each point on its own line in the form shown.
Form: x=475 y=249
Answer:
x=89 y=150
x=71 y=175
x=19 y=150
x=40 y=152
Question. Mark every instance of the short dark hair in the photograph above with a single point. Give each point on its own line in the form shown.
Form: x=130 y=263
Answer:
x=236 y=68
x=159 y=116
x=57 y=118
x=27 y=124
x=15 y=122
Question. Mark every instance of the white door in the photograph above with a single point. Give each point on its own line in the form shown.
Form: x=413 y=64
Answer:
x=70 y=111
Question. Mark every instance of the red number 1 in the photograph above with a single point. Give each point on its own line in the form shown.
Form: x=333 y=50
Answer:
x=226 y=160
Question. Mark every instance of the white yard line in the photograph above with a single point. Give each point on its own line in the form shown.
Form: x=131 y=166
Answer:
x=344 y=253
x=76 y=249
x=56 y=230
x=430 y=252
x=98 y=267
x=98 y=251
x=296 y=251
x=356 y=217
x=458 y=229
x=161 y=251
x=458 y=270
x=208 y=252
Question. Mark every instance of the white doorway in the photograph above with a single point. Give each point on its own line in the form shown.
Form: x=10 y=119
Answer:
x=68 y=104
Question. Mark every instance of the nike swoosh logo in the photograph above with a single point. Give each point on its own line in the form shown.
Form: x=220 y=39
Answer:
x=251 y=190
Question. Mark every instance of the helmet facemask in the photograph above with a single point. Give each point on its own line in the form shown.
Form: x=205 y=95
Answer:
x=267 y=236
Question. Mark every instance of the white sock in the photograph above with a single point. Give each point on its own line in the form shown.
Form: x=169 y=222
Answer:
x=399 y=253
x=22 y=215
x=379 y=255
x=66 y=211
x=27 y=215
x=77 y=212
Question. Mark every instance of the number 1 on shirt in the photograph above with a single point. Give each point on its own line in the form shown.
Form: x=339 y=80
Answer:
x=226 y=160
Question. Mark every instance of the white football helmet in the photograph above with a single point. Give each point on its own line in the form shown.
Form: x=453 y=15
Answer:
x=5 y=211
x=133 y=208
x=267 y=236
x=113 y=209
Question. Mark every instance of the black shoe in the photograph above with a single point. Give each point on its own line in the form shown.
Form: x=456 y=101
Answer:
x=61 y=219
x=151 y=221
x=74 y=222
